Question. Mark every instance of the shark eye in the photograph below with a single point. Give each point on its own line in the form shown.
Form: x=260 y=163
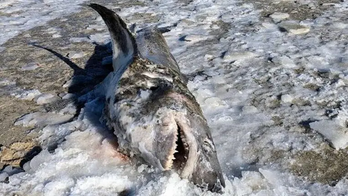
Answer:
x=208 y=146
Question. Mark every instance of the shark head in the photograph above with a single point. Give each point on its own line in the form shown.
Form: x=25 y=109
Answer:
x=189 y=148
x=176 y=139
x=195 y=157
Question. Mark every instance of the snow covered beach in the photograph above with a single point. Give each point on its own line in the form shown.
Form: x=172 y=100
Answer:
x=272 y=89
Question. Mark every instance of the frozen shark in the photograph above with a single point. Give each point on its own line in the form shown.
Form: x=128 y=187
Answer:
x=151 y=110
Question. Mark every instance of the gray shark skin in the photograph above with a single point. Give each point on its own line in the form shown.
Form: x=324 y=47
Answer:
x=151 y=110
x=152 y=46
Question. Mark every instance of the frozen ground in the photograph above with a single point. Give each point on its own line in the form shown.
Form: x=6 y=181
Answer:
x=274 y=92
x=17 y=16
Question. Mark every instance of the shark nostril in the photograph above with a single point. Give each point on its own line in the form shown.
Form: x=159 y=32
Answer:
x=181 y=151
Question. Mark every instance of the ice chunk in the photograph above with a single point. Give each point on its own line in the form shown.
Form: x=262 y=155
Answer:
x=79 y=39
x=214 y=102
x=208 y=57
x=54 y=134
x=8 y=169
x=46 y=98
x=272 y=177
x=333 y=132
x=269 y=25
x=56 y=35
x=195 y=38
x=26 y=166
x=76 y=55
x=239 y=56
x=58 y=187
x=243 y=189
x=27 y=94
x=41 y=119
x=100 y=38
x=5 y=82
x=294 y=27
x=287 y=62
x=30 y=66
x=287 y=98
x=278 y=16
x=96 y=27
x=249 y=109
x=3 y=176
x=39 y=159
x=71 y=109
x=106 y=184
x=67 y=96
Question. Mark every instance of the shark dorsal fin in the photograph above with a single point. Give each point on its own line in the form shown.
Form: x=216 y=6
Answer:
x=123 y=43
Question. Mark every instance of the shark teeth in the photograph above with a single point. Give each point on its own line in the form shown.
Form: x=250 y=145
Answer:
x=177 y=156
x=170 y=159
x=181 y=150
x=183 y=139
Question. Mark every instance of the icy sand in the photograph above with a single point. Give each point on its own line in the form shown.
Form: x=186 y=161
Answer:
x=17 y=16
x=269 y=89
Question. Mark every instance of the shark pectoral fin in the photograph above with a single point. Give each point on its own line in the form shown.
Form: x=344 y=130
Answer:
x=123 y=43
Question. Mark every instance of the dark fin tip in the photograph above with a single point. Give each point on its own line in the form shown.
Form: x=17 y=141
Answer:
x=100 y=8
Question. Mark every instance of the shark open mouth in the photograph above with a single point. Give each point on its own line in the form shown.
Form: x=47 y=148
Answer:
x=181 y=151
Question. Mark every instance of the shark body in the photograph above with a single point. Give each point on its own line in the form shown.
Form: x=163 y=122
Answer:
x=151 y=110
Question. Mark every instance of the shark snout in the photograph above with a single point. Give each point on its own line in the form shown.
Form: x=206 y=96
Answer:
x=207 y=173
x=202 y=165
